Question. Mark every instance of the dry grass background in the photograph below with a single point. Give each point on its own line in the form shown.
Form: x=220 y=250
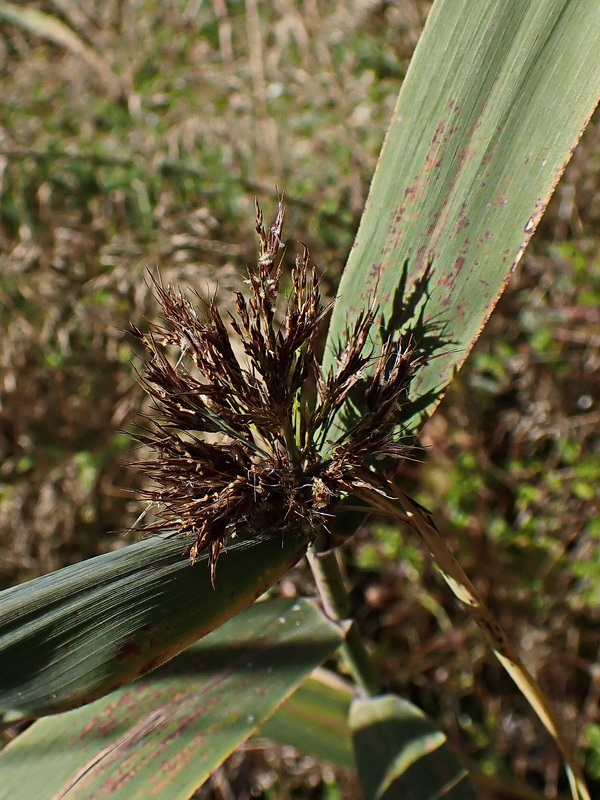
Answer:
x=149 y=154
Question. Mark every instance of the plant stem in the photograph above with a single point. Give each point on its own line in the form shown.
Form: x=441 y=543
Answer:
x=336 y=605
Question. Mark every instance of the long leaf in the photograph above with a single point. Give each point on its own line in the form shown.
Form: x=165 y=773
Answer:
x=314 y=719
x=164 y=735
x=79 y=633
x=496 y=97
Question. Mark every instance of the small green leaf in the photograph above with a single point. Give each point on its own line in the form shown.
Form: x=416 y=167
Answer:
x=399 y=753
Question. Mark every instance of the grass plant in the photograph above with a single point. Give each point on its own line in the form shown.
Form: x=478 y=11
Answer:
x=152 y=156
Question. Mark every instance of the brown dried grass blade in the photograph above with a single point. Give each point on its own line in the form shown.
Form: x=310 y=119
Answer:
x=420 y=520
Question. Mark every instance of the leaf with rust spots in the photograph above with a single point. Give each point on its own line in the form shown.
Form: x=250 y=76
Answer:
x=169 y=731
x=100 y=624
x=495 y=100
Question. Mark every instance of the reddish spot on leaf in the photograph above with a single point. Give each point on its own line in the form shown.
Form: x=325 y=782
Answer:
x=150 y=665
x=439 y=131
x=432 y=164
x=128 y=650
x=462 y=223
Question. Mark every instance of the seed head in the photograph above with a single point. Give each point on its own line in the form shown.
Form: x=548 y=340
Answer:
x=241 y=442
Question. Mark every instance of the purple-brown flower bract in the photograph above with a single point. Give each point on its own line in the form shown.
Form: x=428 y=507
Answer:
x=240 y=440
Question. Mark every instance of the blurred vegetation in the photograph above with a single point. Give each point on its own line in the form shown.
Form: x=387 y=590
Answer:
x=150 y=155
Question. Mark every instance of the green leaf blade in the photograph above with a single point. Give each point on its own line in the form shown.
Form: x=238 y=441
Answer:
x=75 y=635
x=314 y=720
x=399 y=753
x=495 y=99
x=171 y=729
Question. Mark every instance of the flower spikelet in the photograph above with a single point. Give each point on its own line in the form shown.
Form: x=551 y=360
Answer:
x=240 y=437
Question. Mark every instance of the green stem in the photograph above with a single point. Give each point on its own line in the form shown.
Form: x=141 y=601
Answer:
x=336 y=605
x=290 y=442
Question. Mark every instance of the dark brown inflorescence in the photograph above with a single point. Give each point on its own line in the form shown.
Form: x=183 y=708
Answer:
x=241 y=441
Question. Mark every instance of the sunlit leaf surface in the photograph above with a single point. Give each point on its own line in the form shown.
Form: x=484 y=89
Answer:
x=496 y=97
x=72 y=636
x=164 y=735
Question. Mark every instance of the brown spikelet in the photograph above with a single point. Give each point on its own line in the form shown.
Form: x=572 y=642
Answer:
x=239 y=443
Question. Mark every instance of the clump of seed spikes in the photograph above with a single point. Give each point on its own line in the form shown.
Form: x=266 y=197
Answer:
x=240 y=441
